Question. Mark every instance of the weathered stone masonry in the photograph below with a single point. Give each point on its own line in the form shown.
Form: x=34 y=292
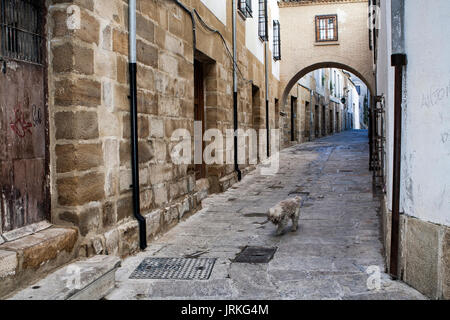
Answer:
x=89 y=124
x=89 y=115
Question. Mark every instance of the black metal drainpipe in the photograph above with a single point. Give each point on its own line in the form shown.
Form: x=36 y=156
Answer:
x=266 y=62
x=134 y=127
x=235 y=94
x=398 y=61
x=134 y=118
x=266 y=80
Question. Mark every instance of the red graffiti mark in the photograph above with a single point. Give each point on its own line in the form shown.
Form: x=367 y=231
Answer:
x=20 y=126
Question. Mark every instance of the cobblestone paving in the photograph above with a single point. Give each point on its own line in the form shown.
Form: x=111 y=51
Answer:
x=327 y=258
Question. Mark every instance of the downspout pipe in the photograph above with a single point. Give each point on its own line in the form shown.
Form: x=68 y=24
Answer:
x=266 y=65
x=399 y=61
x=235 y=94
x=266 y=47
x=134 y=126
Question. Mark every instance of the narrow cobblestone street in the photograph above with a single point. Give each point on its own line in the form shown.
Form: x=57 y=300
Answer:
x=327 y=258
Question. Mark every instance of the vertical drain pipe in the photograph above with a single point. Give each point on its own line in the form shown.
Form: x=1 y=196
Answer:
x=399 y=61
x=267 y=96
x=134 y=124
x=235 y=94
x=266 y=66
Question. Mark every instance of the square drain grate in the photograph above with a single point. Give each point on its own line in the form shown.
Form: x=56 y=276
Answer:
x=174 y=268
x=255 y=255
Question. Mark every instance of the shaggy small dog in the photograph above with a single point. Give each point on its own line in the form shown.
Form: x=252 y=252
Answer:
x=283 y=211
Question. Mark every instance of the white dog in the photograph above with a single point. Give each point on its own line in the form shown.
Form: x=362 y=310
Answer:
x=283 y=211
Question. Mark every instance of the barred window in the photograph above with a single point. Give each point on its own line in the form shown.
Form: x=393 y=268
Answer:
x=245 y=7
x=276 y=40
x=262 y=22
x=326 y=28
x=21 y=30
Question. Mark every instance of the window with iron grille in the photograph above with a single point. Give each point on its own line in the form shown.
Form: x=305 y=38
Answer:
x=21 y=30
x=245 y=7
x=262 y=22
x=326 y=28
x=276 y=40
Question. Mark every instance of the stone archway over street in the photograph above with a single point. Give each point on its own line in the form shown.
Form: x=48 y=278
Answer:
x=303 y=53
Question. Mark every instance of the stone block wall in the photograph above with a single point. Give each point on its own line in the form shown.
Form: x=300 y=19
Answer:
x=302 y=120
x=90 y=119
x=424 y=254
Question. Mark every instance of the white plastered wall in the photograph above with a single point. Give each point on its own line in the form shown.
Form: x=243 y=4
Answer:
x=218 y=8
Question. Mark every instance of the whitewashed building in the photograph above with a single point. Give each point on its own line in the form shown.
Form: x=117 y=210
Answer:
x=413 y=87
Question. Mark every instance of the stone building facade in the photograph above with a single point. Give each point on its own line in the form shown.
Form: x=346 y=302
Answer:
x=87 y=118
x=82 y=122
x=348 y=50
x=319 y=102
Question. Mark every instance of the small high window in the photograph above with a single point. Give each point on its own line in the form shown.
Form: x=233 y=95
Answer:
x=245 y=7
x=262 y=22
x=21 y=31
x=326 y=28
x=276 y=40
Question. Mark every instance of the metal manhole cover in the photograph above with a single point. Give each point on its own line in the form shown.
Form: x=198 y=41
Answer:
x=174 y=268
x=255 y=255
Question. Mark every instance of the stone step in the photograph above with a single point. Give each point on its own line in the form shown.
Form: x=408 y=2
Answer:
x=32 y=252
x=90 y=279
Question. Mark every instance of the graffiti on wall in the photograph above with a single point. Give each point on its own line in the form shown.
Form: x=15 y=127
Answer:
x=19 y=125
x=36 y=115
x=435 y=96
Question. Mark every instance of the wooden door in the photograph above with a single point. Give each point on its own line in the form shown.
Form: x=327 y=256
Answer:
x=277 y=114
x=293 y=117
x=331 y=121
x=324 y=123
x=338 y=122
x=316 y=121
x=307 y=119
x=23 y=115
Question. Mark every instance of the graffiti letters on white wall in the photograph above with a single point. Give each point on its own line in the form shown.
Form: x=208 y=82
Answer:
x=435 y=95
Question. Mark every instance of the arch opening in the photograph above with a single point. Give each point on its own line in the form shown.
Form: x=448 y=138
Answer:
x=322 y=65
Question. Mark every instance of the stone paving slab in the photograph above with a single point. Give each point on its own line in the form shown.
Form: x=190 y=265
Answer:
x=89 y=279
x=327 y=258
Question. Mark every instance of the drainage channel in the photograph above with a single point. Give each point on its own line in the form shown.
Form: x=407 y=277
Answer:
x=174 y=268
